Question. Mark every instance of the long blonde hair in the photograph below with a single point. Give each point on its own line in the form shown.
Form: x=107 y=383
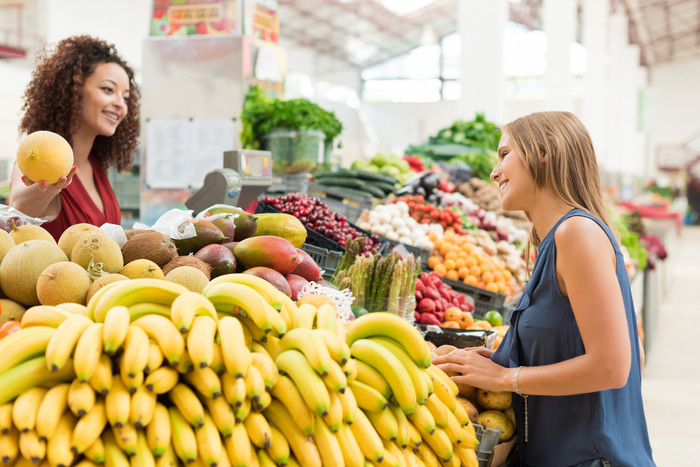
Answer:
x=571 y=169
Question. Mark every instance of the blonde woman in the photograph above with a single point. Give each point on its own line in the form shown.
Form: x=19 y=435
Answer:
x=571 y=356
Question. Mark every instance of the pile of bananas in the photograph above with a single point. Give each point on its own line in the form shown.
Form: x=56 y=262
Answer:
x=149 y=373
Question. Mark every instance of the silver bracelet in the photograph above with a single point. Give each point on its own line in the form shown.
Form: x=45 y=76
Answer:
x=515 y=381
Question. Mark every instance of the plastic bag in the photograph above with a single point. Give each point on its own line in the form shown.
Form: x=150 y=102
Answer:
x=115 y=232
x=11 y=217
x=173 y=224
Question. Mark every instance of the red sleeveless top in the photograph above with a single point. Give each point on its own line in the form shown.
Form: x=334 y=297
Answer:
x=77 y=206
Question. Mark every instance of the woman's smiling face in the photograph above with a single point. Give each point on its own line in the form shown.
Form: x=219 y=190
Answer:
x=515 y=184
x=105 y=97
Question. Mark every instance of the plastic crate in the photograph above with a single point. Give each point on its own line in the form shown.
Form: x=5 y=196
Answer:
x=290 y=183
x=345 y=204
x=420 y=254
x=484 y=300
x=327 y=260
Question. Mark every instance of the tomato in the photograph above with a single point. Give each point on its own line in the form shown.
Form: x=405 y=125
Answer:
x=9 y=327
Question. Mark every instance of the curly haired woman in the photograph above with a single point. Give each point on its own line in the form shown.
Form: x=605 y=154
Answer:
x=84 y=91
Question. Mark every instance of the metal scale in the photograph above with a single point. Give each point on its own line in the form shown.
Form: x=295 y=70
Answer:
x=246 y=175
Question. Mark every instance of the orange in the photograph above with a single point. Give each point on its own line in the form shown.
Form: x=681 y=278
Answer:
x=463 y=272
x=475 y=270
x=492 y=287
x=470 y=261
x=470 y=279
x=487 y=276
x=440 y=269
x=452 y=314
x=452 y=274
x=434 y=261
x=44 y=156
x=466 y=319
x=450 y=264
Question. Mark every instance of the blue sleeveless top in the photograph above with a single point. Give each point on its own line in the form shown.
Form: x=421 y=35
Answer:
x=572 y=430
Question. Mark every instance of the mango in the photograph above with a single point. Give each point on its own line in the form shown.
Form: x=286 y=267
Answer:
x=308 y=269
x=271 y=276
x=246 y=223
x=281 y=225
x=226 y=223
x=206 y=233
x=269 y=251
x=296 y=284
x=220 y=258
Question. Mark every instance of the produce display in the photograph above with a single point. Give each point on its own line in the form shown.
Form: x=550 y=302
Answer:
x=395 y=222
x=357 y=183
x=385 y=163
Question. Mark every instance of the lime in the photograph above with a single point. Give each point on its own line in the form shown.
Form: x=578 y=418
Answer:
x=358 y=311
x=494 y=318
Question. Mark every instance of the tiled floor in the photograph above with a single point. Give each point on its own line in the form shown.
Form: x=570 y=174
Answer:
x=671 y=377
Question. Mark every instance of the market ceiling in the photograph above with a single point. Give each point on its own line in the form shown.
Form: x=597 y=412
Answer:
x=365 y=32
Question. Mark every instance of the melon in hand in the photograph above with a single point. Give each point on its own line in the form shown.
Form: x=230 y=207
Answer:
x=44 y=156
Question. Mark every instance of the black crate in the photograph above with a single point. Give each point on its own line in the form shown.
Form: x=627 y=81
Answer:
x=484 y=300
x=345 y=204
x=421 y=254
x=460 y=338
x=327 y=260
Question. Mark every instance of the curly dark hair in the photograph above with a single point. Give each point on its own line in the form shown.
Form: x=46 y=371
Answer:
x=53 y=98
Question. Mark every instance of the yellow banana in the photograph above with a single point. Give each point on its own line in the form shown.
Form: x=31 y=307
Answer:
x=88 y=428
x=384 y=422
x=334 y=417
x=9 y=447
x=390 y=366
x=44 y=315
x=414 y=436
x=438 y=410
x=81 y=398
x=118 y=404
x=312 y=388
x=101 y=379
x=242 y=411
x=26 y=408
x=63 y=341
x=143 y=456
x=393 y=327
x=73 y=308
x=6 y=417
x=29 y=374
x=158 y=432
x=254 y=383
x=163 y=331
x=265 y=317
x=303 y=447
x=348 y=404
x=262 y=402
x=222 y=414
x=238 y=447
x=137 y=310
x=217 y=362
x=403 y=437
x=335 y=379
x=22 y=345
x=127 y=438
x=443 y=392
x=209 y=446
x=311 y=345
x=437 y=373
x=367 y=437
x=467 y=457
x=58 y=451
x=188 y=305
x=426 y=454
x=205 y=381
x=339 y=350
x=269 y=292
x=305 y=317
x=200 y=340
x=143 y=403
x=169 y=459
x=458 y=434
x=279 y=447
x=155 y=357
x=326 y=318
x=392 y=455
x=127 y=293
x=350 y=369
x=185 y=364
x=132 y=384
x=88 y=351
x=288 y=394
x=183 y=437
x=368 y=375
x=271 y=344
x=439 y=443
x=188 y=404
x=267 y=368
x=234 y=351
x=352 y=454
x=234 y=389
x=422 y=382
x=31 y=447
x=114 y=330
x=423 y=420
x=461 y=413
x=252 y=329
x=114 y=456
x=96 y=451
x=135 y=356
x=258 y=430
x=366 y=397
x=327 y=444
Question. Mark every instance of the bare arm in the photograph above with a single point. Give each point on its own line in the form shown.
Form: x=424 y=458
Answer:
x=585 y=266
x=36 y=199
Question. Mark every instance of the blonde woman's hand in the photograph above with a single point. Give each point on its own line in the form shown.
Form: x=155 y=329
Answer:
x=54 y=188
x=472 y=366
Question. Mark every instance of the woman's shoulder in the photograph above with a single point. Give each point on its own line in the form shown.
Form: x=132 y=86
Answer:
x=582 y=232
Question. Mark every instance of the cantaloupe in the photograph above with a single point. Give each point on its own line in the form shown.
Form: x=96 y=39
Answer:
x=188 y=261
x=98 y=253
x=23 y=264
x=6 y=242
x=10 y=310
x=102 y=281
x=44 y=155
x=72 y=234
x=63 y=282
x=30 y=232
x=189 y=276
x=142 y=268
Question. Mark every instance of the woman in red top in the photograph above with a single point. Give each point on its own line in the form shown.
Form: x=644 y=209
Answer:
x=84 y=91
